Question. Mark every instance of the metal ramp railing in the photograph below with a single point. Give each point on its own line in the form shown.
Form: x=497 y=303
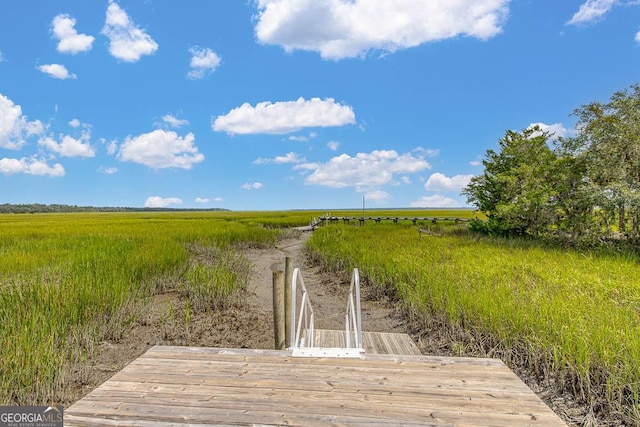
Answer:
x=353 y=319
x=302 y=332
x=299 y=335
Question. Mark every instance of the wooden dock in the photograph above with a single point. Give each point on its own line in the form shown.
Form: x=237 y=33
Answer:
x=211 y=386
x=378 y=219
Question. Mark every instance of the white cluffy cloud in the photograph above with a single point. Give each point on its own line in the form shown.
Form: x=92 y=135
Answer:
x=284 y=117
x=556 y=129
x=57 y=71
x=252 y=186
x=303 y=138
x=14 y=126
x=279 y=160
x=2 y=59
x=74 y=123
x=173 y=121
x=637 y=39
x=30 y=167
x=348 y=28
x=161 y=149
x=203 y=62
x=365 y=170
x=376 y=196
x=591 y=10
x=127 y=41
x=63 y=29
x=159 y=202
x=436 y=201
x=69 y=146
x=438 y=181
x=108 y=170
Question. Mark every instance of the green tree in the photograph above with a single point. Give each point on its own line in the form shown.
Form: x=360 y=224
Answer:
x=516 y=190
x=608 y=145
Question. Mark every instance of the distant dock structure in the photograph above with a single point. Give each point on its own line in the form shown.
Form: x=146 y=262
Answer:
x=331 y=219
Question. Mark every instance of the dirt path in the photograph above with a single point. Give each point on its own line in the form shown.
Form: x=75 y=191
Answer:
x=328 y=294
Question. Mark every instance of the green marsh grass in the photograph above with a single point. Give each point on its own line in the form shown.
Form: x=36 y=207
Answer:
x=69 y=280
x=570 y=314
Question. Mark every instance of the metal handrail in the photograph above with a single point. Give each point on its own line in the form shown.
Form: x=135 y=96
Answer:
x=353 y=319
x=307 y=317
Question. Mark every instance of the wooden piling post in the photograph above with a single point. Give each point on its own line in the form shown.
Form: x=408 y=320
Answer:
x=288 y=279
x=278 y=310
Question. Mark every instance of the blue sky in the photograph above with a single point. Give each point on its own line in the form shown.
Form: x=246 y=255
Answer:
x=289 y=104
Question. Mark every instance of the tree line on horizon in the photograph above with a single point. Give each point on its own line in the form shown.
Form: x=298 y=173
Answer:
x=581 y=188
x=58 y=208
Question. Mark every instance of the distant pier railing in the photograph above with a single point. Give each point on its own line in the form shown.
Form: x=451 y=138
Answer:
x=378 y=219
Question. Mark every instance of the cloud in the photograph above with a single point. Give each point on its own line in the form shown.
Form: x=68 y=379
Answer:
x=333 y=145
x=159 y=202
x=112 y=146
x=75 y=123
x=108 y=170
x=126 y=40
x=284 y=117
x=279 y=160
x=161 y=149
x=426 y=152
x=69 y=146
x=173 y=121
x=376 y=196
x=406 y=180
x=557 y=129
x=591 y=10
x=2 y=58
x=637 y=38
x=253 y=186
x=203 y=61
x=364 y=170
x=302 y=138
x=30 y=167
x=436 y=201
x=63 y=29
x=14 y=126
x=475 y=162
x=207 y=200
x=57 y=71
x=348 y=28
x=438 y=181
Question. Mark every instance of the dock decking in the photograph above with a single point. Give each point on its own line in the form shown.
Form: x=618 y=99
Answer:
x=210 y=386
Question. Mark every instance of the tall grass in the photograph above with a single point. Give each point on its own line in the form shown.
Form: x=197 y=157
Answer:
x=68 y=280
x=568 y=314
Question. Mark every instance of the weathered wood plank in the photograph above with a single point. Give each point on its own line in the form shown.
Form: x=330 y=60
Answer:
x=193 y=353
x=404 y=375
x=349 y=400
x=133 y=413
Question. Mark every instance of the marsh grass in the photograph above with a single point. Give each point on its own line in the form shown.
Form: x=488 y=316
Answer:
x=68 y=281
x=213 y=277
x=568 y=314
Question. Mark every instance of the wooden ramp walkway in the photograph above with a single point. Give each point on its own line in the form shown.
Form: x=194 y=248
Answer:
x=211 y=386
x=372 y=342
